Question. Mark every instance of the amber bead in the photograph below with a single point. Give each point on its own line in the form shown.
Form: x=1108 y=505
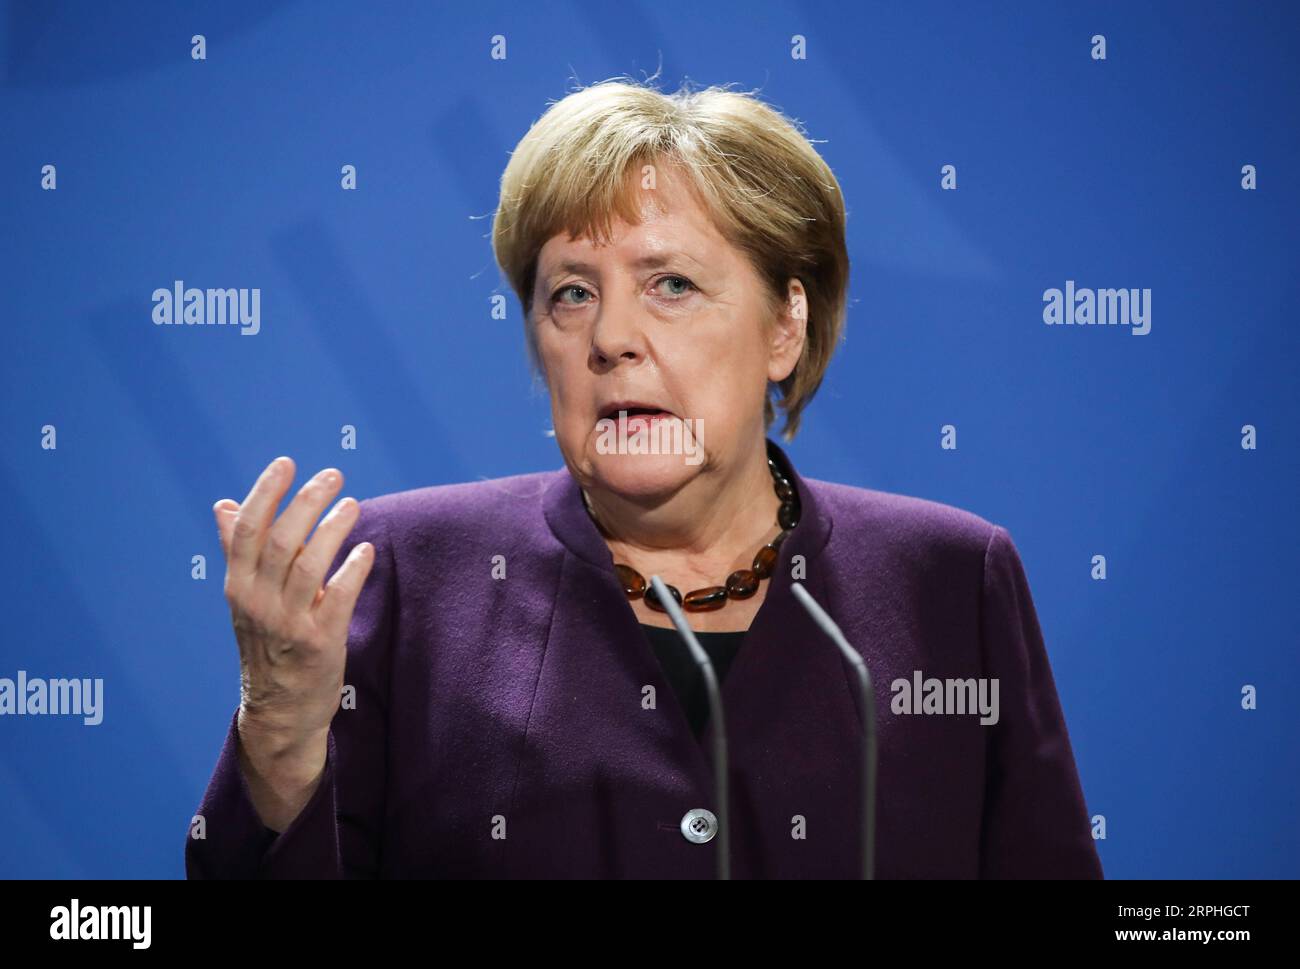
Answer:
x=706 y=600
x=652 y=598
x=634 y=583
x=742 y=584
x=764 y=561
x=787 y=516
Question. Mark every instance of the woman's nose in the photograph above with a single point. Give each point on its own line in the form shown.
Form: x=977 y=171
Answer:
x=618 y=333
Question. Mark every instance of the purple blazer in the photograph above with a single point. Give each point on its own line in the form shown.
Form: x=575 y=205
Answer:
x=499 y=728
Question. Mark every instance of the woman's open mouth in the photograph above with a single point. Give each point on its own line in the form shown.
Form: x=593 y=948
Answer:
x=635 y=417
x=638 y=421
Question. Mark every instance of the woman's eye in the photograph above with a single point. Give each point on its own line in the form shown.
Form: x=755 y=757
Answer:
x=686 y=284
x=557 y=297
x=679 y=287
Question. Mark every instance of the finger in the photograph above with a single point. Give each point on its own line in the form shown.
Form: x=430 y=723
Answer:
x=225 y=511
x=253 y=520
x=309 y=568
x=290 y=530
x=334 y=611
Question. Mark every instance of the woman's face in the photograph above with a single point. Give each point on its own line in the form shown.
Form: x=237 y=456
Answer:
x=668 y=315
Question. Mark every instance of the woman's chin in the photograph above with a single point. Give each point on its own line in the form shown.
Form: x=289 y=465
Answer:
x=641 y=475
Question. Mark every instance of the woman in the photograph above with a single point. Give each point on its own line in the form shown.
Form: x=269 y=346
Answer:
x=514 y=702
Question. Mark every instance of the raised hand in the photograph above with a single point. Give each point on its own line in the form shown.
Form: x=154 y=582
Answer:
x=292 y=631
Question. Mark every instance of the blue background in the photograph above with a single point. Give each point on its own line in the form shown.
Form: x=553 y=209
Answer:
x=375 y=312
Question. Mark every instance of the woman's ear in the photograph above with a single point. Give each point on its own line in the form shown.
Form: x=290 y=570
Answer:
x=788 y=332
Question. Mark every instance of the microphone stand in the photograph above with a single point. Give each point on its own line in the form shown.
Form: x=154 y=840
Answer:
x=720 y=771
x=868 y=696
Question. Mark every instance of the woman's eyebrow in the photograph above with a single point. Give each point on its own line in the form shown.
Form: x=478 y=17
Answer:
x=649 y=261
x=570 y=266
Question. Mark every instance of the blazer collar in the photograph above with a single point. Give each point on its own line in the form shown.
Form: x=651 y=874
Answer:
x=566 y=514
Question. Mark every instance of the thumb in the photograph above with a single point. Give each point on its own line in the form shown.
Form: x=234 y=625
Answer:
x=225 y=511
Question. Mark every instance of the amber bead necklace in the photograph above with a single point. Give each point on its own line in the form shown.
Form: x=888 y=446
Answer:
x=741 y=584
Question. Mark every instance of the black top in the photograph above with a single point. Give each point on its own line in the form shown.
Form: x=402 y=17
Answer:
x=682 y=673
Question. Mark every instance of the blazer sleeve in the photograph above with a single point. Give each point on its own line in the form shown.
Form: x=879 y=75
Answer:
x=337 y=834
x=1035 y=822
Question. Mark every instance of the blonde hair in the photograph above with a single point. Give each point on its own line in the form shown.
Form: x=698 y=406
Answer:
x=769 y=193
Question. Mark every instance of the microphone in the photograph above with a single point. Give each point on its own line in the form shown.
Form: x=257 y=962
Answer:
x=869 y=723
x=720 y=771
